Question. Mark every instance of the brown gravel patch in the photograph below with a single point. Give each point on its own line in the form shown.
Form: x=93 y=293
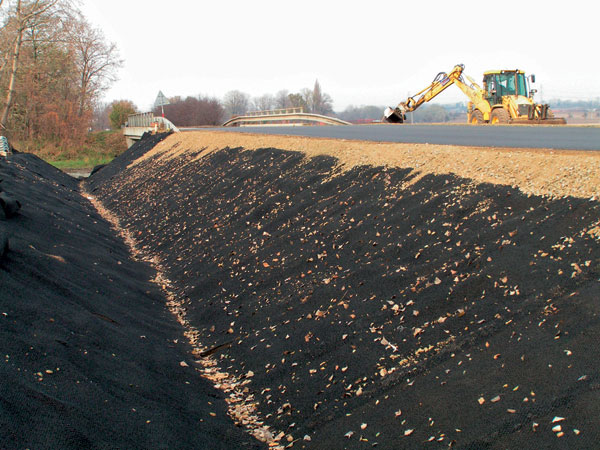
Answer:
x=546 y=172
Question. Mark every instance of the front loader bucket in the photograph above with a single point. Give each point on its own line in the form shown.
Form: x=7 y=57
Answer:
x=539 y=115
x=393 y=116
x=555 y=121
x=548 y=121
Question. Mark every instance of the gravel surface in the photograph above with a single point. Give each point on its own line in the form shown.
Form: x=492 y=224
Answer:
x=533 y=171
x=351 y=295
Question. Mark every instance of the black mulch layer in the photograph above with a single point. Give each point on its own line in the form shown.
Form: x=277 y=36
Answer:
x=442 y=314
x=89 y=356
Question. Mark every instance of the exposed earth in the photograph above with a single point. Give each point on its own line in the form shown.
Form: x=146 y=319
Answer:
x=337 y=294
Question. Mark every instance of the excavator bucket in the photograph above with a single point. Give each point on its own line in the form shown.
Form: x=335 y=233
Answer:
x=391 y=115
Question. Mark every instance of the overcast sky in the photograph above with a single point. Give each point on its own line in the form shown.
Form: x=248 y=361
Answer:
x=362 y=52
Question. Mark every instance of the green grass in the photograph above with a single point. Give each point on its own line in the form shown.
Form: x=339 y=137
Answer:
x=86 y=162
x=99 y=148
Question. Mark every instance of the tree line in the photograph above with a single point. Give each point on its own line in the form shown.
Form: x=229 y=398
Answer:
x=54 y=67
x=204 y=110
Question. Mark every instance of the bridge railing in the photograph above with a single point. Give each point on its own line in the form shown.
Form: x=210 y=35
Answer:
x=275 y=112
x=288 y=119
x=149 y=120
x=140 y=120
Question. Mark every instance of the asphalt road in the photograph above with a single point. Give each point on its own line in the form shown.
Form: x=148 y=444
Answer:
x=553 y=137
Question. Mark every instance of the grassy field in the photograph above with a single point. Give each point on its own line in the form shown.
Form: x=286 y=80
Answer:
x=99 y=147
x=86 y=162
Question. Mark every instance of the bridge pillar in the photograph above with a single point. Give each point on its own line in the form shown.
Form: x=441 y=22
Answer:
x=130 y=141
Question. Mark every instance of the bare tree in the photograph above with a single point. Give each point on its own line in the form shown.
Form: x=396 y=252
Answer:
x=25 y=15
x=297 y=101
x=321 y=102
x=264 y=102
x=100 y=120
x=97 y=61
x=3 y=54
x=236 y=103
x=282 y=99
x=307 y=95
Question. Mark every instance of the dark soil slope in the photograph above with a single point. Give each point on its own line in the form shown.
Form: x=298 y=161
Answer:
x=374 y=311
x=90 y=357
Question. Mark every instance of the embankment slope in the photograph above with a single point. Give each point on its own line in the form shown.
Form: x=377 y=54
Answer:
x=362 y=294
x=90 y=356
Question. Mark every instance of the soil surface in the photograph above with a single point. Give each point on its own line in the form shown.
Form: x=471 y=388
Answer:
x=352 y=295
x=532 y=171
x=90 y=356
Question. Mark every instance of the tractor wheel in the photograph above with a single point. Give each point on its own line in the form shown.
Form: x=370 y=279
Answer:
x=476 y=118
x=499 y=115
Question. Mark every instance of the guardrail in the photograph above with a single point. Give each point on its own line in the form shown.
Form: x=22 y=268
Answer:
x=275 y=117
x=275 y=112
x=140 y=120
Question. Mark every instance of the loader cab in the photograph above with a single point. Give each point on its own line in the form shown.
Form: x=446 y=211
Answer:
x=499 y=83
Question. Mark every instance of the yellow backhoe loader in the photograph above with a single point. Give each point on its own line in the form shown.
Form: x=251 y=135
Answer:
x=504 y=98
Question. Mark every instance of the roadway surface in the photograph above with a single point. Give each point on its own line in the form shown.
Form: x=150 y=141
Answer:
x=552 y=137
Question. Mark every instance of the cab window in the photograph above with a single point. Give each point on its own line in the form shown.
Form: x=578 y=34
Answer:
x=521 y=84
x=506 y=84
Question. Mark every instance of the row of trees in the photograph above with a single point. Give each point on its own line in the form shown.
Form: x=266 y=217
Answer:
x=203 y=110
x=572 y=104
x=54 y=67
x=313 y=100
x=425 y=114
x=200 y=110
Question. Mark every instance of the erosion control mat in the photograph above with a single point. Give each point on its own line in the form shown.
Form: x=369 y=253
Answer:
x=90 y=356
x=355 y=297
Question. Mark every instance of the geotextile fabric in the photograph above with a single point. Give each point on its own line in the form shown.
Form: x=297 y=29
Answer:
x=90 y=356
x=371 y=310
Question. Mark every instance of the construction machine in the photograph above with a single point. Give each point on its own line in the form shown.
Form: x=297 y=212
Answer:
x=504 y=98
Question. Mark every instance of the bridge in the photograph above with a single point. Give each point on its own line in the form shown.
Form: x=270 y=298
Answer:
x=138 y=124
x=282 y=117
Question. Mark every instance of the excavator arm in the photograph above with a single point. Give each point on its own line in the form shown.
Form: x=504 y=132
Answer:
x=439 y=84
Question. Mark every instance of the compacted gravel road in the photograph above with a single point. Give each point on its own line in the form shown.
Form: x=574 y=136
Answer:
x=554 y=137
